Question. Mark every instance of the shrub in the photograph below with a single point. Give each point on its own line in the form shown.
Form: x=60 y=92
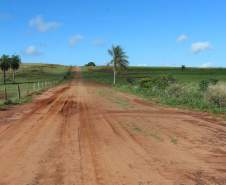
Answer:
x=130 y=80
x=170 y=79
x=150 y=82
x=213 y=81
x=183 y=67
x=216 y=94
x=205 y=83
x=8 y=102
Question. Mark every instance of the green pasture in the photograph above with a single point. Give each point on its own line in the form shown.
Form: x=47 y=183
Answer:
x=103 y=74
x=34 y=72
x=30 y=76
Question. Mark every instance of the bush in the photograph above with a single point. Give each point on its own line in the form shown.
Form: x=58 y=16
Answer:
x=154 y=81
x=8 y=102
x=170 y=79
x=183 y=67
x=205 y=83
x=216 y=94
x=130 y=80
x=213 y=81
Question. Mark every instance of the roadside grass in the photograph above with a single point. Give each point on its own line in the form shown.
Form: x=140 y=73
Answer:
x=28 y=75
x=117 y=101
x=184 y=94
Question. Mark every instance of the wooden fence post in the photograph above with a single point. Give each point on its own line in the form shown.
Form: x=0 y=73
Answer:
x=18 y=88
x=5 y=92
x=38 y=86
x=27 y=90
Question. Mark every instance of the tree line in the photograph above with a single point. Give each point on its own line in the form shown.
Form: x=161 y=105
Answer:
x=7 y=62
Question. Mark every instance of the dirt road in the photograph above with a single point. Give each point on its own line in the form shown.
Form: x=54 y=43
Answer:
x=87 y=134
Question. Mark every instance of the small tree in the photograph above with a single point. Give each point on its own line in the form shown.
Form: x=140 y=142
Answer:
x=119 y=61
x=183 y=67
x=5 y=64
x=15 y=64
x=91 y=64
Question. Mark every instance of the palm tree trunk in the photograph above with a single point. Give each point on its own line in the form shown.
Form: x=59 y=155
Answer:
x=4 y=77
x=14 y=76
x=114 y=77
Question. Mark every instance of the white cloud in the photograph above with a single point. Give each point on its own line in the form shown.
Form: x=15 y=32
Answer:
x=200 y=46
x=105 y=62
x=42 y=26
x=73 y=39
x=5 y=16
x=209 y=64
x=166 y=64
x=31 y=50
x=144 y=65
x=99 y=42
x=182 y=38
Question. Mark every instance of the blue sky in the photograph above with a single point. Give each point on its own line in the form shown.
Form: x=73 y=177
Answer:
x=152 y=32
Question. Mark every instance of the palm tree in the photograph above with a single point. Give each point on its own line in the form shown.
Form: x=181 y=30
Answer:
x=5 y=64
x=119 y=61
x=15 y=64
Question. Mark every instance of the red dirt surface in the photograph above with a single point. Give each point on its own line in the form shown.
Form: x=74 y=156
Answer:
x=85 y=133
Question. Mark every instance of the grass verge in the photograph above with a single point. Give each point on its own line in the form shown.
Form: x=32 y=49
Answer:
x=182 y=91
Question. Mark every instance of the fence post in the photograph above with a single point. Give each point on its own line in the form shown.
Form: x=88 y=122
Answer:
x=38 y=86
x=27 y=90
x=18 y=88
x=5 y=92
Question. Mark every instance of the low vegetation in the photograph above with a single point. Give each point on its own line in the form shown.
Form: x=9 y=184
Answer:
x=29 y=77
x=201 y=89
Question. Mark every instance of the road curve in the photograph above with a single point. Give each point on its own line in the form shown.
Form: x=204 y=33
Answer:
x=85 y=133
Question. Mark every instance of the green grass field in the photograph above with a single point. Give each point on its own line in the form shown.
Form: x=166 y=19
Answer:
x=103 y=74
x=29 y=74
x=185 y=92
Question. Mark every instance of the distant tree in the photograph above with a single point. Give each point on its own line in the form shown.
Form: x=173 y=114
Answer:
x=183 y=67
x=119 y=61
x=91 y=64
x=15 y=64
x=5 y=64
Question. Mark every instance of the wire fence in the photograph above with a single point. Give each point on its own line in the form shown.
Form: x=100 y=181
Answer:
x=18 y=91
